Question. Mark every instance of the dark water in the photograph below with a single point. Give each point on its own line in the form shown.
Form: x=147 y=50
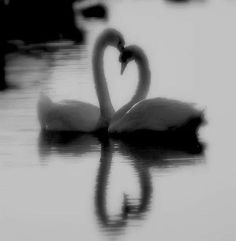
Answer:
x=86 y=187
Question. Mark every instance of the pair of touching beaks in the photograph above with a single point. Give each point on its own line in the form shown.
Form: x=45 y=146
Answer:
x=123 y=64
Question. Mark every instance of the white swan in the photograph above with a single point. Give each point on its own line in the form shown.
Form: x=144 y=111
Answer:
x=70 y=115
x=158 y=114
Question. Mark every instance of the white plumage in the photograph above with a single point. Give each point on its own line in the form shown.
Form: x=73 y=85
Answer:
x=70 y=115
x=158 y=114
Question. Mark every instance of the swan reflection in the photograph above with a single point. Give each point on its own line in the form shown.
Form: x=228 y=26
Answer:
x=67 y=143
x=130 y=208
x=141 y=155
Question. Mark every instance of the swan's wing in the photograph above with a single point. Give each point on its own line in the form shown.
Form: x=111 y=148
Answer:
x=79 y=116
x=157 y=114
x=71 y=116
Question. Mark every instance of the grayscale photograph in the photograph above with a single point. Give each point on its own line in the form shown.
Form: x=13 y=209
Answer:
x=117 y=120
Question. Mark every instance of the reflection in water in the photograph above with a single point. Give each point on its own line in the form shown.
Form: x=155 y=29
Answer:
x=162 y=152
x=143 y=155
x=66 y=143
x=130 y=210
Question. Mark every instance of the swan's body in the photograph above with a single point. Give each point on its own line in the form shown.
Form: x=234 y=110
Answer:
x=158 y=114
x=67 y=115
x=72 y=115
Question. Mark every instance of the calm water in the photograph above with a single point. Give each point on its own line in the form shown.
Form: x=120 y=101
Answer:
x=84 y=187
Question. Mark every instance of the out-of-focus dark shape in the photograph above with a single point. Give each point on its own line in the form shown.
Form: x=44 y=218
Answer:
x=3 y=84
x=98 y=11
x=27 y=25
x=184 y=1
x=178 y=1
x=34 y=22
x=41 y=20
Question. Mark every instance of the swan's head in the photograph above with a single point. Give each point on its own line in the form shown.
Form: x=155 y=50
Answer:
x=114 y=38
x=125 y=57
x=129 y=54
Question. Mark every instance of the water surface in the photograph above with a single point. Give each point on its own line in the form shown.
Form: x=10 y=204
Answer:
x=85 y=187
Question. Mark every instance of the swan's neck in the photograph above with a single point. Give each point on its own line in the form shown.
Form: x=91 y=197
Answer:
x=144 y=80
x=142 y=89
x=104 y=99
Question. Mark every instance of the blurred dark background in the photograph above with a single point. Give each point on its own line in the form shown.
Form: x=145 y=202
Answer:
x=24 y=22
x=39 y=21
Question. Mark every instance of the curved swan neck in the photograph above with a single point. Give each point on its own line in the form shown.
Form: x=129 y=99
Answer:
x=143 y=83
x=144 y=79
x=104 y=99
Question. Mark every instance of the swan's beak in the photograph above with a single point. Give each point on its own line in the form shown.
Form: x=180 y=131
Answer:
x=123 y=66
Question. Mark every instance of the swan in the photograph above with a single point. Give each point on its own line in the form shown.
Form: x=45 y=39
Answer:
x=158 y=114
x=71 y=115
